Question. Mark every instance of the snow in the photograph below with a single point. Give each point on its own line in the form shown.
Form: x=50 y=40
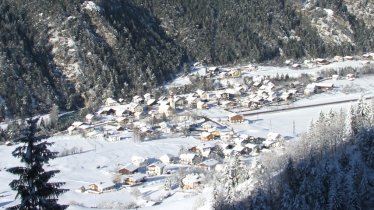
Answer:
x=91 y=6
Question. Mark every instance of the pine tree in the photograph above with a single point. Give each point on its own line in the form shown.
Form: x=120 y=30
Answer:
x=33 y=186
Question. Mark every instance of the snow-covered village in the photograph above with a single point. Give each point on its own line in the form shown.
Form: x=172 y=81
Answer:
x=164 y=151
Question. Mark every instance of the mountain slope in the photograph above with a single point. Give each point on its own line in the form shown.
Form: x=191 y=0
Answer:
x=77 y=53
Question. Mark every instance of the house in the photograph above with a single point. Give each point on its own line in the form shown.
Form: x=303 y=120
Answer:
x=348 y=57
x=235 y=73
x=322 y=61
x=191 y=100
x=151 y=102
x=122 y=120
x=335 y=77
x=155 y=169
x=128 y=169
x=206 y=136
x=110 y=102
x=139 y=160
x=205 y=149
x=225 y=95
x=296 y=65
x=148 y=96
x=201 y=105
x=350 y=77
x=134 y=107
x=134 y=179
x=338 y=58
x=213 y=70
x=236 y=118
x=192 y=181
x=310 y=89
x=188 y=158
x=138 y=99
x=208 y=165
x=89 y=118
x=107 y=111
x=166 y=110
x=165 y=127
x=240 y=150
x=167 y=158
x=324 y=86
x=252 y=147
x=101 y=187
x=76 y=124
x=228 y=104
x=202 y=94
x=272 y=140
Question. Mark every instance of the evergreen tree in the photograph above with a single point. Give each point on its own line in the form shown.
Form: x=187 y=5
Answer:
x=33 y=186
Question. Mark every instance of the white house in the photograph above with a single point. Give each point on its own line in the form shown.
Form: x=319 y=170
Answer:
x=167 y=158
x=111 y=102
x=101 y=187
x=209 y=164
x=155 y=169
x=192 y=181
x=188 y=158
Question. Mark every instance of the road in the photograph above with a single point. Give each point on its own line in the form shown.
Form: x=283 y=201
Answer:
x=286 y=108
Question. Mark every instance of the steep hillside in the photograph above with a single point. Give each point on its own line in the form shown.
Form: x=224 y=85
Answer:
x=76 y=53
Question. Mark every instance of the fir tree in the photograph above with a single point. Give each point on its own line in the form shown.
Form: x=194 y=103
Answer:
x=33 y=186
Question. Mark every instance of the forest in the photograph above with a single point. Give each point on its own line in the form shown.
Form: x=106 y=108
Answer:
x=330 y=167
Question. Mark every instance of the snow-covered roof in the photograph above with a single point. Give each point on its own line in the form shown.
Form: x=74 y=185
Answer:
x=130 y=167
x=273 y=136
x=251 y=146
x=90 y=116
x=77 y=123
x=187 y=156
x=136 y=176
x=205 y=134
x=157 y=164
x=192 y=178
x=209 y=162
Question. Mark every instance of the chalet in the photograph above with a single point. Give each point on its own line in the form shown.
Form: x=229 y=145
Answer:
x=348 y=57
x=206 y=136
x=273 y=139
x=350 y=77
x=240 y=150
x=139 y=160
x=192 y=181
x=225 y=95
x=128 y=169
x=167 y=158
x=252 y=147
x=107 y=111
x=208 y=165
x=122 y=120
x=235 y=118
x=167 y=110
x=188 y=158
x=205 y=149
x=368 y=55
x=310 y=89
x=191 y=100
x=322 y=61
x=228 y=104
x=235 y=73
x=165 y=127
x=202 y=94
x=138 y=99
x=148 y=96
x=89 y=118
x=155 y=169
x=134 y=179
x=101 y=187
x=338 y=58
x=213 y=70
x=133 y=107
x=115 y=137
x=122 y=112
x=111 y=102
x=201 y=105
x=324 y=86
